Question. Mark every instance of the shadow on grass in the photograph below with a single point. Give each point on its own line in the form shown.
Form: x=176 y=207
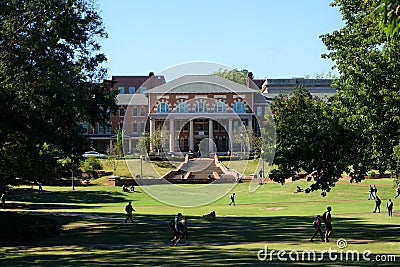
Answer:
x=154 y=229
x=78 y=197
x=106 y=240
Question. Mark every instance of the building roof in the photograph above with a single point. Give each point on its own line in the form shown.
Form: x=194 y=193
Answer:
x=138 y=81
x=259 y=82
x=132 y=99
x=260 y=99
x=200 y=84
x=290 y=83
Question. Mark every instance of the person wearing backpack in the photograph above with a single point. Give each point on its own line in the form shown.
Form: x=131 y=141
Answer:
x=175 y=225
x=317 y=226
x=326 y=217
x=377 y=204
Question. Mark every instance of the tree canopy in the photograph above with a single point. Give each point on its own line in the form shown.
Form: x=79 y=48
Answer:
x=51 y=78
x=358 y=130
x=368 y=88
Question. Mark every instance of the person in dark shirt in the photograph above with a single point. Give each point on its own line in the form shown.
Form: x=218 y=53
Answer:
x=389 y=206
x=232 y=199
x=377 y=204
x=317 y=226
x=327 y=218
x=129 y=209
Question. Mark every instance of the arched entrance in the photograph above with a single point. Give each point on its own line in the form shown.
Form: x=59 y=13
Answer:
x=201 y=131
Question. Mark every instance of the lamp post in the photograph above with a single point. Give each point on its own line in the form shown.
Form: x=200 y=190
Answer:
x=262 y=159
x=141 y=166
x=73 y=184
x=241 y=145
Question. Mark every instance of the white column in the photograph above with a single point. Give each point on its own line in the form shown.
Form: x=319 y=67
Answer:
x=171 y=136
x=210 y=136
x=152 y=124
x=191 y=136
x=130 y=145
x=230 y=134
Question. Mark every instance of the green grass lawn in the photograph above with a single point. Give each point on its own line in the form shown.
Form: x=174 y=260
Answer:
x=93 y=232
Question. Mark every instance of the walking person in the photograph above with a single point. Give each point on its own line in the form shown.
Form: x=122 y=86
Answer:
x=371 y=193
x=184 y=230
x=375 y=191
x=232 y=199
x=377 y=204
x=397 y=191
x=40 y=187
x=317 y=226
x=176 y=226
x=129 y=209
x=327 y=218
x=389 y=206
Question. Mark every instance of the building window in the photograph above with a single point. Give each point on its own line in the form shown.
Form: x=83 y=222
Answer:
x=259 y=111
x=108 y=129
x=220 y=107
x=142 y=112
x=235 y=125
x=216 y=126
x=186 y=127
x=121 y=90
x=85 y=128
x=201 y=107
x=177 y=126
x=238 y=107
x=162 y=108
x=132 y=89
x=135 y=127
x=182 y=108
x=121 y=112
x=143 y=128
x=134 y=112
x=101 y=129
x=142 y=89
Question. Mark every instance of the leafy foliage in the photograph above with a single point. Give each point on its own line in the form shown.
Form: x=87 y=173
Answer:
x=389 y=13
x=368 y=98
x=309 y=139
x=51 y=79
x=143 y=144
x=91 y=164
x=234 y=75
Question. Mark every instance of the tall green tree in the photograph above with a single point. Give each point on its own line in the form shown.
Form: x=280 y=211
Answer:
x=309 y=138
x=368 y=95
x=51 y=78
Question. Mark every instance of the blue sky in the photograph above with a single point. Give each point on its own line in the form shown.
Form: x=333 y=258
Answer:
x=273 y=39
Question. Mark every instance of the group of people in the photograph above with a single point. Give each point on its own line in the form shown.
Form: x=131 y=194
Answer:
x=125 y=188
x=179 y=226
x=326 y=218
x=389 y=205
